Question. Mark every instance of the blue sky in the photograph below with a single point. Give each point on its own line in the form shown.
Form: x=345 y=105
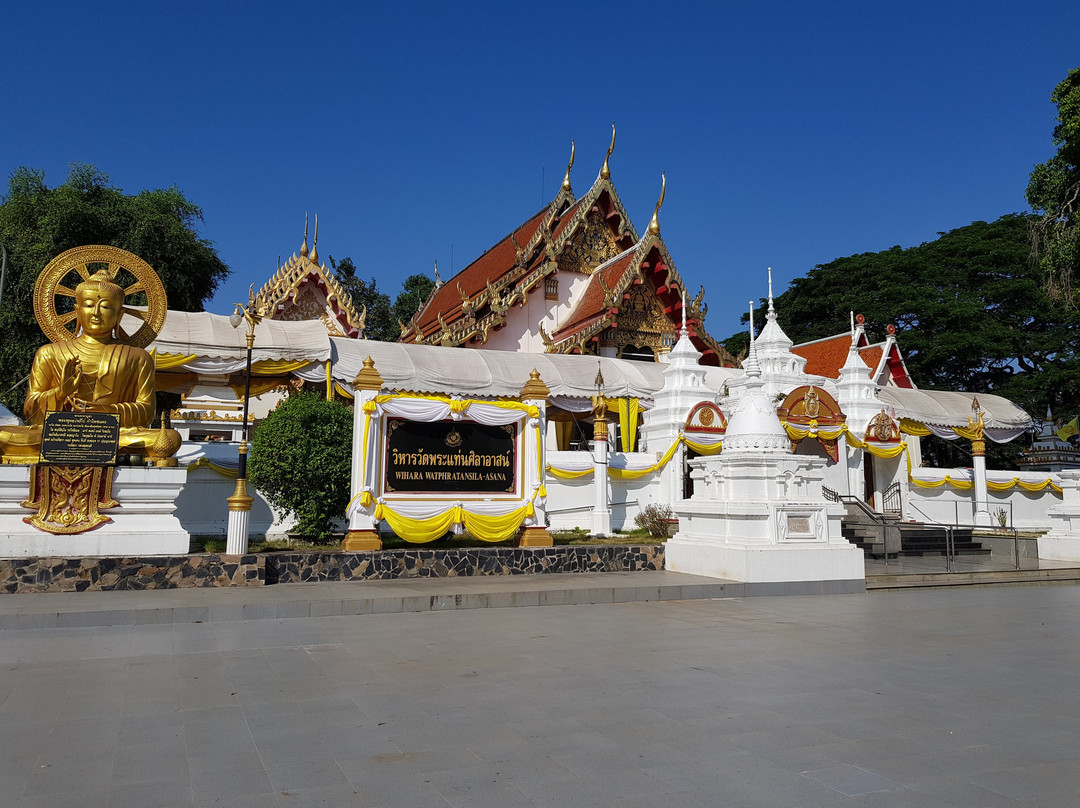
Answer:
x=791 y=133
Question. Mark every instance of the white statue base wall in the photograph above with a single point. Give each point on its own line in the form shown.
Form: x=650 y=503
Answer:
x=1062 y=542
x=143 y=524
x=760 y=519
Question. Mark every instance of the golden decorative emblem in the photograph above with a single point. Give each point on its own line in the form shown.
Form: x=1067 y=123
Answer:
x=811 y=403
x=705 y=416
x=67 y=498
x=881 y=426
x=57 y=281
x=453 y=438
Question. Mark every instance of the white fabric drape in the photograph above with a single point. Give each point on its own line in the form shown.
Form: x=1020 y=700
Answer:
x=420 y=409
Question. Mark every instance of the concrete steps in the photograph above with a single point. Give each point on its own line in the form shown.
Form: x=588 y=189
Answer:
x=933 y=580
x=283 y=601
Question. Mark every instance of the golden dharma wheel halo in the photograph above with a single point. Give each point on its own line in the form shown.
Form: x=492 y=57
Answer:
x=60 y=277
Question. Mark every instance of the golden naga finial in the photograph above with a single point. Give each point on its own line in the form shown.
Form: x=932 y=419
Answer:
x=569 y=166
x=549 y=343
x=303 y=247
x=609 y=293
x=698 y=307
x=362 y=323
x=605 y=170
x=315 y=242
x=654 y=223
x=460 y=291
x=518 y=251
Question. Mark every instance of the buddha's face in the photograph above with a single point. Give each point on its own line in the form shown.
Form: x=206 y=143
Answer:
x=98 y=312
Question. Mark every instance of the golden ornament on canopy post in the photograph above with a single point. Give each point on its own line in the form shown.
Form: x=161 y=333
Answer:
x=92 y=368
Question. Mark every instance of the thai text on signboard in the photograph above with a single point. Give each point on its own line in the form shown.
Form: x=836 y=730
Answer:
x=450 y=457
x=80 y=438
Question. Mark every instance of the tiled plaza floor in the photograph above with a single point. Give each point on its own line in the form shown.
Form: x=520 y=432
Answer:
x=922 y=699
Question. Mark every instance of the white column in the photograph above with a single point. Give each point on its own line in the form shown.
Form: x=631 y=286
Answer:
x=363 y=527
x=236 y=542
x=982 y=505
x=601 y=516
x=535 y=393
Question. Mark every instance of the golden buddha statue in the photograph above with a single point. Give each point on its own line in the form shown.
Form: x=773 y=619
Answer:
x=98 y=369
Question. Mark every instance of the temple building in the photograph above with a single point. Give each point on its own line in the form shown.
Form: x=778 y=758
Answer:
x=574 y=278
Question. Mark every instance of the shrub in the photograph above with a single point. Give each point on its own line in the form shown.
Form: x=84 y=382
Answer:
x=655 y=519
x=301 y=456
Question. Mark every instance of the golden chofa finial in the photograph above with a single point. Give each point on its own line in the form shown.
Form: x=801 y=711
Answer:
x=654 y=223
x=303 y=247
x=570 y=165
x=605 y=170
x=438 y=280
x=315 y=242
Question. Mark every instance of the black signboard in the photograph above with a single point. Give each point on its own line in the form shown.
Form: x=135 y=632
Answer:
x=80 y=438
x=450 y=456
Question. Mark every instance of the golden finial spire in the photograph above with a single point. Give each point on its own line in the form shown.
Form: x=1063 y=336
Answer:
x=303 y=248
x=570 y=165
x=605 y=170
x=315 y=242
x=654 y=223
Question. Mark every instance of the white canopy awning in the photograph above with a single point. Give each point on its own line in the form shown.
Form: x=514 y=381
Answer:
x=950 y=409
x=211 y=336
x=434 y=369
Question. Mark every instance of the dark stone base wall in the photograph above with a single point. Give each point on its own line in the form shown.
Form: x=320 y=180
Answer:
x=24 y=575
x=27 y=575
x=288 y=568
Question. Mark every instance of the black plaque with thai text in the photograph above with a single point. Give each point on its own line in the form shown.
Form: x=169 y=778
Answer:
x=450 y=457
x=80 y=438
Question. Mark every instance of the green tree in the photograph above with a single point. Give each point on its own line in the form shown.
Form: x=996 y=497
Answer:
x=1054 y=192
x=414 y=293
x=37 y=223
x=971 y=313
x=380 y=323
x=301 y=456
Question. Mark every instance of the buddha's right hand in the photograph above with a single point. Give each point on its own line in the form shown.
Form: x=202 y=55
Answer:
x=70 y=377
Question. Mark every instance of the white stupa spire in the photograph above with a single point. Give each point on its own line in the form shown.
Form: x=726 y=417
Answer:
x=781 y=369
x=754 y=426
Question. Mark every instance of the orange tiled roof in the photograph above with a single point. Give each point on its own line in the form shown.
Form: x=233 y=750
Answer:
x=590 y=305
x=825 y=357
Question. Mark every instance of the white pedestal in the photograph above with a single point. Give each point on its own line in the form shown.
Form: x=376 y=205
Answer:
x=761 y=519
x=143 y=524
x=1062 y=542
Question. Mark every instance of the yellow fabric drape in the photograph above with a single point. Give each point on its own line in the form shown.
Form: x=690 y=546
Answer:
x=1016 y=482
x=963 y=485
x=496 y=528
x=275 y=367
x=628 y=421
x=165 y=361
x=564 y=430
x=342 y=391
x=628 y=474
x=258 y=387
x=419 y=531
x=329 y=383
x=915 y=428
x=703 y=448
x=568 y=474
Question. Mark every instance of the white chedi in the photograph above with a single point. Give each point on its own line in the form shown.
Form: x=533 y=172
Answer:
x=754 y=425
